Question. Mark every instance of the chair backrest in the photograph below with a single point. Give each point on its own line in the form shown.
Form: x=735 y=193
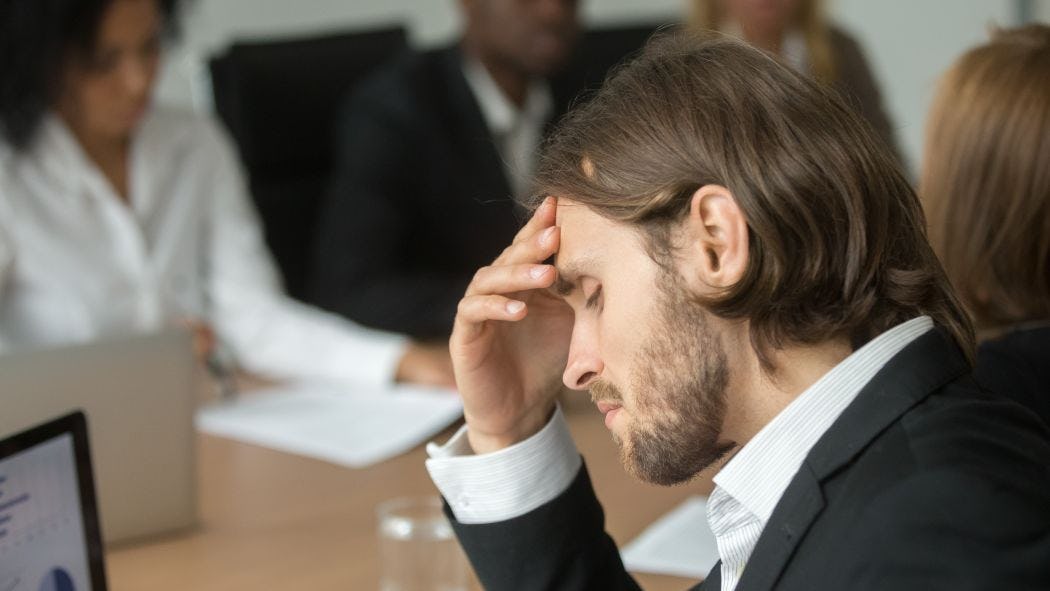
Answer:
x=279 y=101
x=599 y=50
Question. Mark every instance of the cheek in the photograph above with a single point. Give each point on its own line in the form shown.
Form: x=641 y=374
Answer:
x=97 y=96
x=620 y=335
x=152 y=66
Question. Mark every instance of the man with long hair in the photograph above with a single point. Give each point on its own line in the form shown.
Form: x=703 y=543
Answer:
x=741 y=279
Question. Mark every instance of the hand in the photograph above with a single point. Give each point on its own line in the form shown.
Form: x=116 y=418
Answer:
x=510 y=340
x=427 y=364
x=202 y=337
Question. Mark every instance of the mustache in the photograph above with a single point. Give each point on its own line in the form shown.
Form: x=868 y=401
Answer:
x=605 y=392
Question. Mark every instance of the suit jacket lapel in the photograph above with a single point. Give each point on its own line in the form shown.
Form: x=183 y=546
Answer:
x=921 y=368
x=797 y=510
x=713 y=581
x=474 y=132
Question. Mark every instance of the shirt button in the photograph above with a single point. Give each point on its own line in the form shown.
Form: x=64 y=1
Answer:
x=464 y=502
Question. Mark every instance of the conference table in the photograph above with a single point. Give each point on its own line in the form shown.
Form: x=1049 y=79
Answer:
x=271 y=520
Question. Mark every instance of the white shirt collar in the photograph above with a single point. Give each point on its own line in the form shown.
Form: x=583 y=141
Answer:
x=501 y=115
x=761 y=471
x=61 y=154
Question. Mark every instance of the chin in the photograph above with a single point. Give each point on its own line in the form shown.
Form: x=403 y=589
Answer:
x=663 y=466
x=546 y=63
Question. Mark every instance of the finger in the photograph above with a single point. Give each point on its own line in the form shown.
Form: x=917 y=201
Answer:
x=536 y=249
x=476 y=309
x=543 y=217
x=511 y=278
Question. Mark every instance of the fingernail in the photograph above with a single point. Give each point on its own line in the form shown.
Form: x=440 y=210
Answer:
x=548 y=235
x=537 y=272
x=515 y=307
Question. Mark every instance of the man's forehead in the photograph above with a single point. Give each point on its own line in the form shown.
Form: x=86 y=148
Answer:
x=583 y=237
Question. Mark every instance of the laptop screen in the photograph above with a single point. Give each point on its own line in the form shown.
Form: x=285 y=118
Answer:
x=48 y=527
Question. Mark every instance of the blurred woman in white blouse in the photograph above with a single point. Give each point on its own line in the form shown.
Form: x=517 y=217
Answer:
x=117 y=216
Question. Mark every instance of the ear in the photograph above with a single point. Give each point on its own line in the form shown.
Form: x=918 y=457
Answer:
x=715 y=240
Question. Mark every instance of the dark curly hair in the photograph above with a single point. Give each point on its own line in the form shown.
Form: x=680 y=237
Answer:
x=35 y=38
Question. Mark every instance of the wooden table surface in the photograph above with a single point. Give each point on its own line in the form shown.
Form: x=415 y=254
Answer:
x=270 y=520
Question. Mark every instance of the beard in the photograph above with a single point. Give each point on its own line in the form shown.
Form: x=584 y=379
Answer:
x=679 y=389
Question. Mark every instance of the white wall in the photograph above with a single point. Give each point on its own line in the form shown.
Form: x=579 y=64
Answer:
x=909 y=43
x=1042 y=11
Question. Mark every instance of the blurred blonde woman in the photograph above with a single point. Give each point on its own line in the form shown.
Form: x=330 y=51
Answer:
x=986 y=188
x=798 y=32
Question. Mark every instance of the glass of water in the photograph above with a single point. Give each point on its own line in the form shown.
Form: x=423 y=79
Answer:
x=417 y=547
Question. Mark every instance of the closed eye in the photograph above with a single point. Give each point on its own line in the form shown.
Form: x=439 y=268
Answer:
x=592 y=302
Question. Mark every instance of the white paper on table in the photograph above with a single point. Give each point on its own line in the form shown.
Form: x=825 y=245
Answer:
x=679 y=543
x=352 y=427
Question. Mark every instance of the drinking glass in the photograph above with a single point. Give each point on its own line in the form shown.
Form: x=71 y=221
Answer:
x=417 y=547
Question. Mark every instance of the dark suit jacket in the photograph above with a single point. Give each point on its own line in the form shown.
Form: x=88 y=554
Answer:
x=924 y=482
x=1017 y=365
x=419 y=199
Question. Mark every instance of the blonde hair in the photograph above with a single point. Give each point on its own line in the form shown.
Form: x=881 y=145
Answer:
x=986 y=177
x=708 y=15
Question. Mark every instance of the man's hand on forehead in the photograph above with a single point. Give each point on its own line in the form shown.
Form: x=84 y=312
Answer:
x=511 y=338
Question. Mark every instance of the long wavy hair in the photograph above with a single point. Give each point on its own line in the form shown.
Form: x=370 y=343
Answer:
x=986 y=177
x=837 y=236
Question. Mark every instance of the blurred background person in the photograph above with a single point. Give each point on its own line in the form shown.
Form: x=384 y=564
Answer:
x=431 y=151
x=117 y=216
x=986 y=187
x=799 y=33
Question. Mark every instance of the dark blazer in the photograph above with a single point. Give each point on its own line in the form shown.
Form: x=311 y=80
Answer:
x=923 y=483
x=419 y=199
x=1017 y=365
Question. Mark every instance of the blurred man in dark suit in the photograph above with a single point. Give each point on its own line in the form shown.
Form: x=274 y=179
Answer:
x=433 y=148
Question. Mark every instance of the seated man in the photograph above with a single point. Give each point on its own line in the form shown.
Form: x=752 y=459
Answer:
x=741 y=280
x=432 y=150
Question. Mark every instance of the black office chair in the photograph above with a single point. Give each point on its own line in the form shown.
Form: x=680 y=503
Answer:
x=280 y=100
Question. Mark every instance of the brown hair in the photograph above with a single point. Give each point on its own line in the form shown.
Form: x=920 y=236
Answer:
x=707 y=15
x=986 y=177
x=837 y=235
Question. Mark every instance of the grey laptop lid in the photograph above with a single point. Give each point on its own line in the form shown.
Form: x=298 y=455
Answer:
x=139 y=395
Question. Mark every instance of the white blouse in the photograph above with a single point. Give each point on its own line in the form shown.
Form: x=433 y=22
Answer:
x=78 y=263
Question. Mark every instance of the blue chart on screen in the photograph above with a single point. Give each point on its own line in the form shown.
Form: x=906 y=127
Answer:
x=57 y=580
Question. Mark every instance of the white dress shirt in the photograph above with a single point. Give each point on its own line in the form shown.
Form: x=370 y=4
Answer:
x=494 y=487
x=78 y=263
x=516 y=131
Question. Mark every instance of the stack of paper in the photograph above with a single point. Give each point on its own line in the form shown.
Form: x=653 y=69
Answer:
x=679 y=543
x=350 y=428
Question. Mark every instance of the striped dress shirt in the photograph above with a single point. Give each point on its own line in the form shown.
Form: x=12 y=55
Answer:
x=749 y=487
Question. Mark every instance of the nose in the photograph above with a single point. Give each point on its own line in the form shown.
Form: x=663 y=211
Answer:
x=585 y=364
x=137 y=75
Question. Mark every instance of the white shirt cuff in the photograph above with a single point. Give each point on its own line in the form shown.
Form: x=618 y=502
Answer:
x=507 y=483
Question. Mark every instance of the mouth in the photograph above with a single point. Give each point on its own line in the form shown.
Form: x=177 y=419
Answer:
x=610 y=411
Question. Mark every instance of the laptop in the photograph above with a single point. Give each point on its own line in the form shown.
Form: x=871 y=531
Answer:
x=49 y=535
x=139 y=395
